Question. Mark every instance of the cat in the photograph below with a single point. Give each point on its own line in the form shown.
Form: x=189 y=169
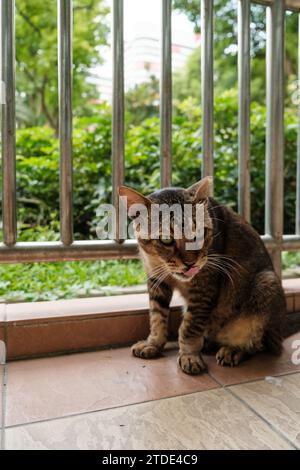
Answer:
x=234 y=299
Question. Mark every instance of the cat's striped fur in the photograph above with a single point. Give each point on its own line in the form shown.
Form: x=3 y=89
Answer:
x=234 y=302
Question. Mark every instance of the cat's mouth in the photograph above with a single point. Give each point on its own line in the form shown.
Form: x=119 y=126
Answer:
x=188 y=273
x=191 y=271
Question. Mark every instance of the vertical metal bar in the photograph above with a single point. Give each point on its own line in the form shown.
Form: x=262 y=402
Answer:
x=275 y=136
x=298 y=142
x=9 y=212
x=244 y=200
x=65 y=27
x=166 y=96
x=118 y=105
x=207 y=86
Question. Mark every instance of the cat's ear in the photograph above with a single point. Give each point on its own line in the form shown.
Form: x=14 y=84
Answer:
x=201 y=190
x=133 y=197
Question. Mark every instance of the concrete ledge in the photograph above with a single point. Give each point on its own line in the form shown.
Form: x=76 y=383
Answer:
x=58 y=327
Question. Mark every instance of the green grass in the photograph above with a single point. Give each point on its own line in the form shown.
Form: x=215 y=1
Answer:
x=290 y=259
x=50 y=281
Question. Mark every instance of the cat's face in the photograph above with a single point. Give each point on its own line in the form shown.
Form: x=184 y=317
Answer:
x=173 y=254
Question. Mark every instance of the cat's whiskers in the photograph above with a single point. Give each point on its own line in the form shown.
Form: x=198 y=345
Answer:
x=163 y=275
x=217 y=234
x=216 y=218
x=157 y=270
x=228 y=259
x=221 y=269
x=226 y=265
x=225 y=258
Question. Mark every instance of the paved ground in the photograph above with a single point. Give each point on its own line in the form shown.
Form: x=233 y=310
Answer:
x=111 y=400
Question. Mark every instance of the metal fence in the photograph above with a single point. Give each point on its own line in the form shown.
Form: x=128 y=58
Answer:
x=67 y=249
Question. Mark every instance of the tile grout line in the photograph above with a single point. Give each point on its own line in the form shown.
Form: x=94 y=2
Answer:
x=216 y=381
x=268 y=423
x=247 y=405
x=257 y=379
x=221 y=386
x=75 y=415
x=4 y=406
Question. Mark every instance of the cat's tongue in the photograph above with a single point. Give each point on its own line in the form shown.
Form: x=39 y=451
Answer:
x=191 y=272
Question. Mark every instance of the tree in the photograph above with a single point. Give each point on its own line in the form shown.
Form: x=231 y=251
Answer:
x=142 y=101
x=36 y=58
x=186 y=81
x=225 y=48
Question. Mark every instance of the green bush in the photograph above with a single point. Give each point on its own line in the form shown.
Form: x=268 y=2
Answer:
x=38 y=163
x=37 y=176
x=38 y=187
x=142 y=152
x=38 y=172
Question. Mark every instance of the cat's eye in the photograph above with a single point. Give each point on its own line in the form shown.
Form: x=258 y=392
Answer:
x=166 y=241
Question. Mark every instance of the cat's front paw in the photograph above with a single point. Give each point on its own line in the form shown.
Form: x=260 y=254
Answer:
x=192 y=364
x=145 y=350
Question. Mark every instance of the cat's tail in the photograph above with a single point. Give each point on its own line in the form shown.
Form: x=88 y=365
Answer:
x=275 y=334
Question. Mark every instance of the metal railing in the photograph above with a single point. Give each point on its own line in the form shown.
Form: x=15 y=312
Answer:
x=12 y=251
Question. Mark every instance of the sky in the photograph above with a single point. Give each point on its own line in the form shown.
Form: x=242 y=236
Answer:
x=145 y=16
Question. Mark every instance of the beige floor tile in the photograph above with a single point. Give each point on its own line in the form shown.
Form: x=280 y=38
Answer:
x=55 y=387
x=207 y=420
x=2 y=363
x=40 y=389
x=1 y=396
x=278 y=401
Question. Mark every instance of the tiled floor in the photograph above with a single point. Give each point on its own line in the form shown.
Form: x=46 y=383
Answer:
x=1 y=402
x=111 y=400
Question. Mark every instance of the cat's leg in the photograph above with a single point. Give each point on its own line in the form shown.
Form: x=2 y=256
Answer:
x=201 y=299
x=257 y=325
x=159 y=298
x=240 y=338
x=191 y=340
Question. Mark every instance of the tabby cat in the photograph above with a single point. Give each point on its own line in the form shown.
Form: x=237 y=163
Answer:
x=234 y=299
